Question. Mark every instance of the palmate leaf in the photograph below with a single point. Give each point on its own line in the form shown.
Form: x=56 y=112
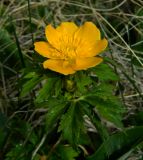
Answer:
x=88 y=110
x=109 y=108
x=71 y=123
x=111 y=111
x=120 y=143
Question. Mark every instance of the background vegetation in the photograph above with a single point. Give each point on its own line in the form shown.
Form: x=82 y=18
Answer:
x=39 y=119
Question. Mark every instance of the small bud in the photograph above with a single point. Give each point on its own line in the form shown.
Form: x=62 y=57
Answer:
x=70 y=85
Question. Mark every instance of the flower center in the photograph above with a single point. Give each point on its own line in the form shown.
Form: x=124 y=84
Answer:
x=67 y=49
x=68 y=52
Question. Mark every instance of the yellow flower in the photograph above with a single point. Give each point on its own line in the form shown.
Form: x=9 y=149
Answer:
x=70 y=48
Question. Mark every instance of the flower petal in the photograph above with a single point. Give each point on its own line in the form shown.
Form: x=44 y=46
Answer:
x=88 y=32
x=46 y=50
x=92 y=50
x=58 y=66
x=63 y=34
x=67 y=28
x=43 y=48
x=52 y=36
x=86 y=63
x=99 y=47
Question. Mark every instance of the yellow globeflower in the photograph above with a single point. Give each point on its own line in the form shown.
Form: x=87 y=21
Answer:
x=70 y=48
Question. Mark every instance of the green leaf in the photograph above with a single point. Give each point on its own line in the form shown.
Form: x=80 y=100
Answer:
x=67 y=153
x=71 y=123
x=15 y=153
x=58 y=87
x=29 y=75
x=111 y=112
x=95 y=120
x=24 y=130
x=110 y=109
x=19 y=152
x=135 y=119
x=46 y=90
x=120 y=143
x=105 y=73
x=82 y=80
x=64 y=152
x=56 y=109
x=30 y=84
